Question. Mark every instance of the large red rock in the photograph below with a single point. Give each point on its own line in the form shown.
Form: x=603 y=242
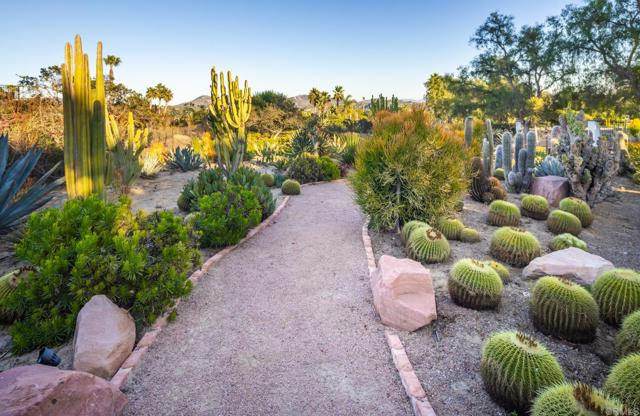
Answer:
x=104 y=338
x=42 y=390
x=554 y=188
x=403 y=293
x=572 y=263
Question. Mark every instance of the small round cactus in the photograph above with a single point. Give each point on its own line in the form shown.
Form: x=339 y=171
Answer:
x=499 y=174
x=450 y=227
x=428 y=245
x=628 y=339
x=563 y=309
x=535 y=206
x=408 y=228
x=579 y=208
x=560 y=222
x=566 y=240
x=514 y=246
x=617 y=292
x=183 y=203
x=623 y=382
x=290 y=187
x=502 y=271
x=8 y=284
x=474 y=284
x=503 y=213
x=576 y=399
x=268 y=179
x=515 y=367
x=469 y=235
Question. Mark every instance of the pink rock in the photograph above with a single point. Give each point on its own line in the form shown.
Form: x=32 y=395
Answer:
x=104 y=337
x=571 y=263
x=42 y=390
x=403 y=293
x=554 y=188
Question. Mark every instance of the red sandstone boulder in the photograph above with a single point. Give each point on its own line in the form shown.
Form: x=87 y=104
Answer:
x=403 y=293
x=572 y=263
x=554 y=188
x=41 y=390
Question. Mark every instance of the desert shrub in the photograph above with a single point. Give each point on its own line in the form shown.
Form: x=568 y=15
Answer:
x=329 y=168
x=634 y=154
x=90 y=247
x=412 y=167
x=348 y=153
x=634 y=127
x=305 y=168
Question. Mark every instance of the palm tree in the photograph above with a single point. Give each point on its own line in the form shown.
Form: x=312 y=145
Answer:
x=112 y=61
x=338 y=94
x=152 y=94
x=348 y=104
x=314 y=96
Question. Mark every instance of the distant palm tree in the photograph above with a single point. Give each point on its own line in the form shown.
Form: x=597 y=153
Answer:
x=338 y=94
x=152 y=94
x=314 y=96
x=112 y=61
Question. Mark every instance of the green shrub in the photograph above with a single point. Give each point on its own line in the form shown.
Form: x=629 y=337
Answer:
x=250 y=179
x=535 y=206
x=329 y=168
x=514 y=246
x=617 y=292
x=474 y=284
x=576 y=399
x=566 y=240
x=291 y=187
x=628 y=339
x=408 y=228
x=579 y=208
x=305 y=168
x=470 y=235
x=502 y=271
x=268 y=179
x=503 y=213
x=560 y=222
x=90 y=247
x=224 y=218
x=428 y=245
x=412 y=167
x=623 y=382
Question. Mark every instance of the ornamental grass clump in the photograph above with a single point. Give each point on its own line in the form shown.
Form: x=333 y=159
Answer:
x=579 y=208
x=617 y=292
x=474 y=284
x=503 y=213
x=560 y=222
x=428 y=245
x=628 y=338
x=566 y=240
x=576 y=399
x=412 y=167
x=623 y=382
x=514 y=246
x=535 y=206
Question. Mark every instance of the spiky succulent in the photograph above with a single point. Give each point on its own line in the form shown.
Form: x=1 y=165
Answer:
x=515 y=367
x=450 y=227
x=499 y=173
x=500 y=268
x=8 y=284
x=550 y=166
x=576 y=399
x=563 y=309
x=628 y=339
x=474 y=284
x=514 y=246
x=579 y=208
x=290 y=187
x=560 y=222
x=617 y=292
x=469 y=235
x=184 y=159
x=502 y=213
x=535 y=206
x=623 y=382
x=268 y=179
x=408 y=228
x=566 y=240
x=428 y=245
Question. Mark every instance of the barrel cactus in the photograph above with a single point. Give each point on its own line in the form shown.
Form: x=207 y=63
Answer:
x=560 y=222
x=499 y=173
x=474 y=284
x=290 y=187
x=623 y=382
x=514 y=246
x=564 y=309
x=8 y=284
x=502 y=213
x=515 y=367
x=502 y=271
x=579 y=208
x=628 y=339
x=268 y=179
x=470 y=235
x=617 y=292
x=450 y=227
x=408 y=228
x=576 y=399
x=566 y=240
x=428 y=245
x=535 y=206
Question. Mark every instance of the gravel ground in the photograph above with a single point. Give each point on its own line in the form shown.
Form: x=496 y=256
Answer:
x=446 y=354
x=284 y=325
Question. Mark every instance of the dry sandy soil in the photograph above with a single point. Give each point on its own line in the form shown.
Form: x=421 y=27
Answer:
x=446 y=354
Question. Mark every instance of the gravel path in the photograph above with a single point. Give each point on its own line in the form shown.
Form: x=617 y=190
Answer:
x=283 y=325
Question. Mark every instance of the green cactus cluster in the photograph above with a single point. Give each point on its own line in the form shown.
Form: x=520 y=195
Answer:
x=474 y=284
x=566 y=240
x=560 y=222
x=579 y=208
x=564 y=309
x=628 y=338
x=8 y=284
x=450 y=227
x=623 y=382
x=500 y=268
x=382 y=103
x=515 y=367
x=290 y=187
x=576 y=399
x=428 y=245
x=520 y=179
x=503 y=213
x=268 y=179
x=617 y=292
x=470 y=235
x=483 y=189
x=535 y=206
x=408 y=228
x=514 y=246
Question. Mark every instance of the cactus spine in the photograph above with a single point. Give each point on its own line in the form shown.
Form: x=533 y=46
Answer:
x=468 y=131
x=84 y=122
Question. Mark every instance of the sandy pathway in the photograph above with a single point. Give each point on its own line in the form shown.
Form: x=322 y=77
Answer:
x=282 y=326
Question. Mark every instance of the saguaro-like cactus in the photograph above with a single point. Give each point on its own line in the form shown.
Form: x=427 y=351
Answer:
x=228 y=114
x=490 y=142
x=84 y=122
x=506 y=153
x=468 y=131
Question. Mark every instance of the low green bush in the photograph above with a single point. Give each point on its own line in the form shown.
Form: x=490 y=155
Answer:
x=329 y=168
x=305 y=168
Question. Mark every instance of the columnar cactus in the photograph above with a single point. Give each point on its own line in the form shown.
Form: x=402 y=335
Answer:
x=576 y=399
x=450 y=227
x=474 y=284
x=468 y=131
x=628 y=338
x=514 y=246
x=566 y=240
x=617 y=292
x=84 y=122
x=491 y=143
x=507 y=154
x=623 y=382
x=560 y=222
x=502 y=213
x=428 y=245
x=521 y=178
x=579 y=208
x=486 y=158
x=498 y=156
x=535 y=206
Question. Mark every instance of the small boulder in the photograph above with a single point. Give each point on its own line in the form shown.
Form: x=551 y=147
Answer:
x=554 y=188
x=104 y=338
x=403 y=293
x=42 y=390
x=572 y=263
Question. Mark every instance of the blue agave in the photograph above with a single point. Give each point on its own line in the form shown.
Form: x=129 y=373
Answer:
x=550 y=166
x=185 y=159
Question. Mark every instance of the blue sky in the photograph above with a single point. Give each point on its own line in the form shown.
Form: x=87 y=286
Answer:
x=289 y=46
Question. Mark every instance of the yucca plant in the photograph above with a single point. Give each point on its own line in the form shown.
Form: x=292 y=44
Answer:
x=124 y=165
x=184 y=159
x=12 y=178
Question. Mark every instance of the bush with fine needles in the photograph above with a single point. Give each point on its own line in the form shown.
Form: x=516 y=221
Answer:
x=566 y=240
x=503 y=213
x=450 y=227
x=470 y=235
x=502 y=271
x=428 y=245
x=560 y=222
x=408 y=228
x=474 y=284
x=514 y=246
x=623 y=382
x=579 y=208
x=617 y=292
x=576 y=399
x=535 y=206
x=628 y=339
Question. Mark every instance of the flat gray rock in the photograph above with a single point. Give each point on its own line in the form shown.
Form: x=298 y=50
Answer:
x=573 y=263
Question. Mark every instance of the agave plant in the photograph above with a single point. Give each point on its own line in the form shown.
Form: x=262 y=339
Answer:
x=550 y=166
x=13 y=209
x=150 y=165
x=185 y=159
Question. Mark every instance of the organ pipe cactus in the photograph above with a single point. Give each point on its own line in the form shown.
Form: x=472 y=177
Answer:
x=468 y=131
x=474 y=284
x=491 y=144
x=617 y=292
x=506 y=153
x=521 y=179
x=519 y=140
x=84 y=123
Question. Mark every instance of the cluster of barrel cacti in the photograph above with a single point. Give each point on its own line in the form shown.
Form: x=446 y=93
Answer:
x=521 y=177
x=534 y=206
x=579 y=208
x=560 y=222
x=450 y=227
x=424 y=243
x=483 y=188
x=475 y=284
x=566 y=240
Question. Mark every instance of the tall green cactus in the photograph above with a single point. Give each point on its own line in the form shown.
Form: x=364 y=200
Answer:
x=228 y=114
x=519 y=141
x=84 y=122
x=468 y=131
x=490 y=141
x=506 y=153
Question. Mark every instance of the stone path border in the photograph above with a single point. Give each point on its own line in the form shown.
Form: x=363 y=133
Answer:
x=121 y=376
x=412 y=386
